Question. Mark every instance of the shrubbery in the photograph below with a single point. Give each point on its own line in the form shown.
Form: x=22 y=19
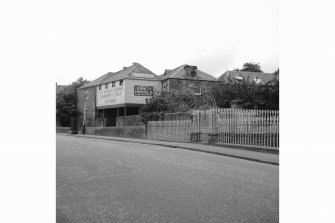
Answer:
x=253 y=96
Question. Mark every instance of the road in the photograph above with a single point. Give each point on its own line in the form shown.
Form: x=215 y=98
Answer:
x=112 y=181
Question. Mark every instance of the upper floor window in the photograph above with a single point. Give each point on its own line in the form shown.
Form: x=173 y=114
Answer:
x=113 y=84
x=100 y=86
x=197 y=88
x=106 y=86
x=121 y=82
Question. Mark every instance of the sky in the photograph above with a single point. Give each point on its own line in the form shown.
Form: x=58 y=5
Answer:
x=91 y=38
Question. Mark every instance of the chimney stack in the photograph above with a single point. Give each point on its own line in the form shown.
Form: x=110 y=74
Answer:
x=191 y=71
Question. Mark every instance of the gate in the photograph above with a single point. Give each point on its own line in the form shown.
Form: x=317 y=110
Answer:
x=204 y=127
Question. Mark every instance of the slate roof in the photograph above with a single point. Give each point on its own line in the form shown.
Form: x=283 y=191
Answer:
x=257 y=77
x=128 y=73
x=97 y=81
x=180 y=73
x=131 y=72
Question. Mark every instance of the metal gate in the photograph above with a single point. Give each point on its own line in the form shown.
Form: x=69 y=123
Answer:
x=204 y=121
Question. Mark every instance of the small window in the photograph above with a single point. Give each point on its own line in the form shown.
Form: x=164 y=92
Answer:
x=121 y=82
x=113 y=84
x=106 y=86
x=100 y=86
x=197 y=88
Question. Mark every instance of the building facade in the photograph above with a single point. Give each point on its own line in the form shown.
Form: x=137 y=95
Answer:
x=124 y=92
x=186 y=78
x=117 y=94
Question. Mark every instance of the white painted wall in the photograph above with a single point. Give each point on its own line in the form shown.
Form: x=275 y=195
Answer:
x=111 y=96
x=129 y=89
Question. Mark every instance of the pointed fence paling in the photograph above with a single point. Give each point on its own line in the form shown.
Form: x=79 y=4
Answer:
x=248 y=127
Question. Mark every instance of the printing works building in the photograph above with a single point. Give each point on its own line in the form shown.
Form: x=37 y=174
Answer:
x=116 y=94
x=124 y=92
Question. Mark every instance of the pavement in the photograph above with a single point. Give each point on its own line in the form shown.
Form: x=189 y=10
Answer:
x=240 y=153
x=117 y=181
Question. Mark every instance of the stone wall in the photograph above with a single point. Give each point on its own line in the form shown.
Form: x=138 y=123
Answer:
x=126 y=131
x=179 y=131
x=62 y=129
x=179 y=85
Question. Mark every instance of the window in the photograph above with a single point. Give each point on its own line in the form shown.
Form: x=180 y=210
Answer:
x=106 y=86
x=121 y=82
x=197 y=88
x=100 y=86
x=113 y=84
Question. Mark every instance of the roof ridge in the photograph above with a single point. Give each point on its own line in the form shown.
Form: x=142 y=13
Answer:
x=177 y=70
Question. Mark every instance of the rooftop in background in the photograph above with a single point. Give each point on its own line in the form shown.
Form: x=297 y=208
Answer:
x=97 y=81
x=187 y=72
x=257 y=77
x=135 y=71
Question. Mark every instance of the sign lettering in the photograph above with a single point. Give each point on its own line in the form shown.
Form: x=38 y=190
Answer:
x=143 y=90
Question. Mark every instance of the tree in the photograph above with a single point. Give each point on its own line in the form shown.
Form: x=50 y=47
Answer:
x=253 y=96
x=66 y=103
x=276 y=72
x=166 y=102
x=252 y=67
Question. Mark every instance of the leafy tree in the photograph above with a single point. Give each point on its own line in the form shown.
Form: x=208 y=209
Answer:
x=253 y=96
x=66 y=107
x=252 y=67
x=166 y=102
x=66 y=103
x=276 y=72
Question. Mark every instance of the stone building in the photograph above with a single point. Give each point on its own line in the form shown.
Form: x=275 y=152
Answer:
x=117 y=94
x=123 y=93
x=185 y=78
x=251 y=77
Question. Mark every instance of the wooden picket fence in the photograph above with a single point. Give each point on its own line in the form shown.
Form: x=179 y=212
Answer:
x=248 y=127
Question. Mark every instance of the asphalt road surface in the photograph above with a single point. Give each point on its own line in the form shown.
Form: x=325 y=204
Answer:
x=112 y=181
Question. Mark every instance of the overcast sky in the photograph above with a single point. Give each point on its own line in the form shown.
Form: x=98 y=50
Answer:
x=92 y=38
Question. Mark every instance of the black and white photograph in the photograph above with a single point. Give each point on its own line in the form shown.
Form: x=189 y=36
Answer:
x=165 y=111
x=169 y=112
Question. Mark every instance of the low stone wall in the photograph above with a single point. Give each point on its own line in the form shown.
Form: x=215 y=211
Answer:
x=125 y=131
x=62 y=129
x=179 y=131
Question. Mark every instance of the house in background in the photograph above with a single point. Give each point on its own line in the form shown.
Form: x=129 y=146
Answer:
x=251 y=77
x=86 y=97
x=117 y=94
x=185 y=78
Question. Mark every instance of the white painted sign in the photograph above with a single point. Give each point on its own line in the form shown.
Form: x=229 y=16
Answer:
x=112 y=96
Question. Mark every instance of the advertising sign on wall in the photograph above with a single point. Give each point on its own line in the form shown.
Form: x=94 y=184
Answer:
x=143 y=90
x=111 y=96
